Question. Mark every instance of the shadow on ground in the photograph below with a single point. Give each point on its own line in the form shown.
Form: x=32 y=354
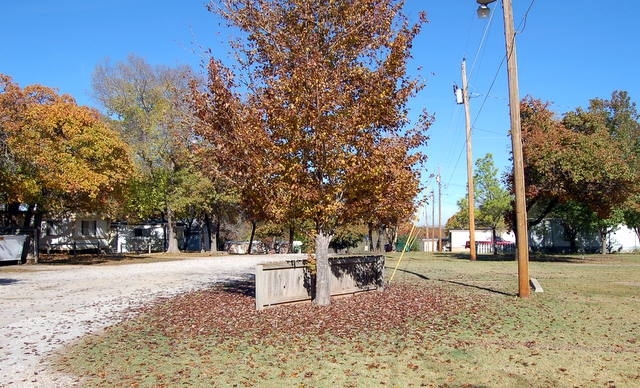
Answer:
x=245 y=286
x=4 y=282
x=456 y=282
x=542 y=258
x=106 y=259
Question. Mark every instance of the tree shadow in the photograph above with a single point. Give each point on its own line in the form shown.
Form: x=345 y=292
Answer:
x=81 y=259
x=421 y=276
x=366 y=271
x=482 y=257
x=245 y=286
x=477 y=287
x=103 y=258
x=533 y=257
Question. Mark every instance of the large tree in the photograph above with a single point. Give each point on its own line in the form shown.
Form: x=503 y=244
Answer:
x=574 y=158
x=587 y=157
x=327 y=82
x=236 y=147
x=59 y=157
x=150 y=107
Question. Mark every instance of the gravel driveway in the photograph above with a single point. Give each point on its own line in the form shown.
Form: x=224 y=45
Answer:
x=45 y=307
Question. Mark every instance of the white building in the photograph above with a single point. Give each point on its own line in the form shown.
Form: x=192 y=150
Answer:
x=458 y=238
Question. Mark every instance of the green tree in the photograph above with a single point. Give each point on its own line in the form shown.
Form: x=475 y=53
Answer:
x=621 y=119
x=602 y=174
x=623 y=122
x=493 y=200
x=327 y=85
x=346 y=238
x=460 y=220
x=150 y=107
x=576 y=220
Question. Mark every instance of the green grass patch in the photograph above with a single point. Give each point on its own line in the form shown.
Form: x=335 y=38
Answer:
x=442 y=322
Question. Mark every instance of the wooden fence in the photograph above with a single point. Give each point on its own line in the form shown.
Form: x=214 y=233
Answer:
x=489 y=248
x=292 y=281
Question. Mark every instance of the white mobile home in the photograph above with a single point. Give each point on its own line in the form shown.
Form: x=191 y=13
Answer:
x=76 y=234
x=92 y=234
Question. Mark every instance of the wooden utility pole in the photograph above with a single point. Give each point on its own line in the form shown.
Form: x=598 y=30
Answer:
x=438 y=179
x=433 y=221
x=467 y=116
x=522 y=235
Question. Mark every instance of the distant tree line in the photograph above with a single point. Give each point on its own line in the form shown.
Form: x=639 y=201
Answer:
x=582 y=168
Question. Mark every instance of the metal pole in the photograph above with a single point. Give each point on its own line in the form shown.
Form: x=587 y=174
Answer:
x=522 y=236
x=467 y=116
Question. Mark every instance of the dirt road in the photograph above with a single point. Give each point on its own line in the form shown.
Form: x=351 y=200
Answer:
x=45 y=307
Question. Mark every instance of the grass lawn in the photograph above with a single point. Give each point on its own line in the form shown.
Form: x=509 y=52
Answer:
x=443 y=321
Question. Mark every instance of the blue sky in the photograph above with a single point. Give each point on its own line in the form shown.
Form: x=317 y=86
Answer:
x=568 y=53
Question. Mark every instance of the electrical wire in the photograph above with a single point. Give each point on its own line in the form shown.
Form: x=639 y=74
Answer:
x=481 y=45
x=479 y=50
x=521 y=28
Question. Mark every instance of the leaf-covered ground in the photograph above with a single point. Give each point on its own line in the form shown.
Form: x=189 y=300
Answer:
x=456 y=327
x=355 y=341
x=226 y=314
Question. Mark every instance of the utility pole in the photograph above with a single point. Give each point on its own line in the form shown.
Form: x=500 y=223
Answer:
x=426 y=219
x=433 y=220
x=439 y=211
x=470 y=188
x=522 y=235
x=426 y=222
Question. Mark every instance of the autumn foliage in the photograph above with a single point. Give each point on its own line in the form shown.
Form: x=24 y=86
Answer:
x=58 y=155
x=319 y=124
x=578 y=158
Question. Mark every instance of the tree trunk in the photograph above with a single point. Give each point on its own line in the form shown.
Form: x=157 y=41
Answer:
x=211 y=233
x=207 y=224
x=33 y=223
x=370 y=232
x=494 y=237
x=291 y=237
x=217 y=234
x=213 y=238
x=253 y=233
x=323 y=271
x=603 y=239
x=172 y=238
x=570 y=233
x=394 y=238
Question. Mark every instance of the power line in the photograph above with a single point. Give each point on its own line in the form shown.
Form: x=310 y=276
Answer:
x=481 y=46
x=521 y=28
